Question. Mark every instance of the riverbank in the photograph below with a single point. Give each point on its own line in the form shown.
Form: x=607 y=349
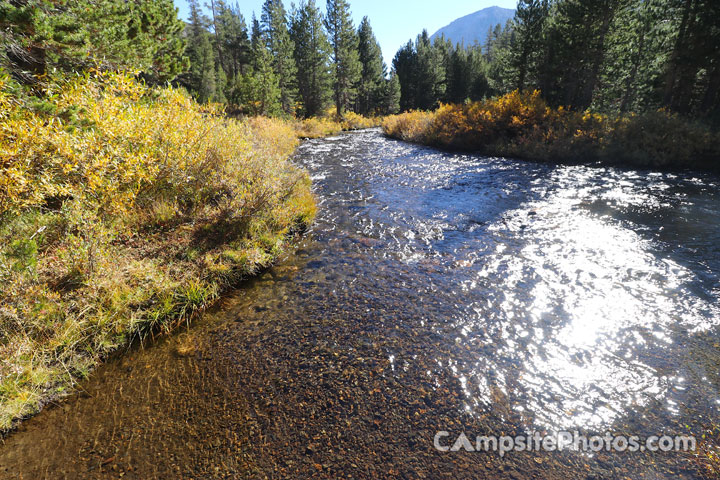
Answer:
x=522 y=125
x=124 y=210
x=328 y=125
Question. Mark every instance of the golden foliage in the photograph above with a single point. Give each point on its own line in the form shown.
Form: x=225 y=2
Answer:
x=354 y=121
x=317 y=127
x=329 y=124
x=415 y=126
x=521 y=124
x=123 y=209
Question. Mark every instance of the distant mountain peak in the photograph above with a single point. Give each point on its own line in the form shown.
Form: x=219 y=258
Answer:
x=474 y=28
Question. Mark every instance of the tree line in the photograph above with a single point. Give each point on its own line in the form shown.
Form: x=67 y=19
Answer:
x=299 y=63
x=287 y=63
x=614 y=56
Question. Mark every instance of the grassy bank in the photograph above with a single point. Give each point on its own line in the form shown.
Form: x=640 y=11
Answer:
x=123 y=210
x=523 y=125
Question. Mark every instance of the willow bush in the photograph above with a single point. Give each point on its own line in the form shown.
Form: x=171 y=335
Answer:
x=123 y=209
x=329 y=124
x=521 y=124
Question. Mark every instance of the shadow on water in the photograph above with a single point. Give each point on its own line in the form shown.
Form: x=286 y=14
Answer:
x=436 y=292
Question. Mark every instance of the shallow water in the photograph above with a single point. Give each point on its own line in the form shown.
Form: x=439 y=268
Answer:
x=436 y=292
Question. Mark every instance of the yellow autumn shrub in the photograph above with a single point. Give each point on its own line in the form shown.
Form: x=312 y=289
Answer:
x=317 y=127
x=354 y=121
x=522 y=124
x=123 y=209
x=328 y=124
x=415 y=126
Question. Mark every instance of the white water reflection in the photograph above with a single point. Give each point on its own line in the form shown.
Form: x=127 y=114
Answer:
x=569 y=291
x=590 y=293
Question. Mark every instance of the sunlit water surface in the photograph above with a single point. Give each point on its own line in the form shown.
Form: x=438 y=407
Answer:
x=580 y=293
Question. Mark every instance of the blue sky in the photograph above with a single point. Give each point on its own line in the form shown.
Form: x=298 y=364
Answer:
x=394 y=21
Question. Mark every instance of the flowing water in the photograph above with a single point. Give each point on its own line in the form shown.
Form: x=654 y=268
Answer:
x=436 y=292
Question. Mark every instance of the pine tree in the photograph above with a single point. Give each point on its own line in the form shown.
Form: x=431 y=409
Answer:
x=143 y=35
x=480 y=87
x=234 y=49
x=501 y=77
x=155 y=26
x=692 y=81
x=22 y=48
x=531 y=18
x=459 y=75
x=256 y=41
x=610 y=55
x=312 y=56
x=201 y=78
x=636 y=52
x=430 y=73
x=577 y=37
x=258 y=91
x=275 y=27
x=372 y=77
x=204 y=70
x=390 y=100
x=421 y=69
x=492 y=42
x=221 y=85
x=405 y=64
x=345 y=57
